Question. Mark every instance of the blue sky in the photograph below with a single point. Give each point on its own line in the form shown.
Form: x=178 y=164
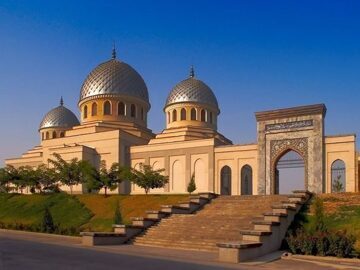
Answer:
x=255 y=55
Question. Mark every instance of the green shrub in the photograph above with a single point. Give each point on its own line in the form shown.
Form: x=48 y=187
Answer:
x=341 y=245
x=338 y=244
x=322 y=244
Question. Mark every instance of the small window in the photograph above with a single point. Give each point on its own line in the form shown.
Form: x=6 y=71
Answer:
x=132 y=110
x=94 y=109
x=142 y=113
x=202 y=115
x=47 y=135
x=211 y=117
x=107 y=108
x=85 y=112
x=62 y=134
x=54 y=134
x=183 y=114
x=174 y=115
x=193 y=114
x=121 y=108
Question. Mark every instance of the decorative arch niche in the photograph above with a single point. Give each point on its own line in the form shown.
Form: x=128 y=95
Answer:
x=225 y=180
x=200 y=175
x=279 y=148
x=246 y=180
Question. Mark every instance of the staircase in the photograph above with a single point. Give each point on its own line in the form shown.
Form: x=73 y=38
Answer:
x=220 y=221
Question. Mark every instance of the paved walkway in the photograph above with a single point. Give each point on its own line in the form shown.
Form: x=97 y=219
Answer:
x=24 y=250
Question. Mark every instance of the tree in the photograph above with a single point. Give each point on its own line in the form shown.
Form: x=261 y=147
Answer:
x=147 y=178
x=108 y=179
x=117 y=214
x=70 y=173
x=12 y=177
x=47 y=224
x=4 y=180
x=45 y=180
x=191 y=186
x=27 y=178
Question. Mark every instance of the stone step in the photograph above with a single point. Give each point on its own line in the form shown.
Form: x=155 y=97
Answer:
x=156 y=214
x=235 y=219
x=179 y=246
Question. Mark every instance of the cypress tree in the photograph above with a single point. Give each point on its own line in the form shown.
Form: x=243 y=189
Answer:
x=47 y=224
x=117 y=214
x=191 y=186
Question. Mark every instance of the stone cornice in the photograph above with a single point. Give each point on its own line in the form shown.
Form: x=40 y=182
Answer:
x=291 y=112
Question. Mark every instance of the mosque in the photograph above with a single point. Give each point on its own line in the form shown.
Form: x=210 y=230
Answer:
x=114 y=105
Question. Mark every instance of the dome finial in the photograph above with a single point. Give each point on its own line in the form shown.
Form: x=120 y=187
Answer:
x=192 y=72
x=113 y=54
x=61 y=101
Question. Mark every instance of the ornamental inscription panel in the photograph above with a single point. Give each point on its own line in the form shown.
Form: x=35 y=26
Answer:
x=289 y=125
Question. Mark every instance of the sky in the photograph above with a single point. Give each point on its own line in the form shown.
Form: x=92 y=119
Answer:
x=255 y=55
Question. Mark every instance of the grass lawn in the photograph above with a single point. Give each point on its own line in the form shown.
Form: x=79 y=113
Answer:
x=342 y=213
x=88 y=212
x=130 y=206
x=28 y=210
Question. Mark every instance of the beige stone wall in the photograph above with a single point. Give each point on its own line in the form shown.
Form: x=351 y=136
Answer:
x=341 y=147
x=180 y=160
x=236 y=157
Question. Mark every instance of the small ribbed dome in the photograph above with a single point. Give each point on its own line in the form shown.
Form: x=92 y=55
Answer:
x=59 y=117
x=192 y=90
x=114 y=77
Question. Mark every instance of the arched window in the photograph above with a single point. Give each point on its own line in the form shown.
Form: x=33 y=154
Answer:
x=142 y=114
x=62 y=134
x=94 y=109
x=246 y=180
x=211 y=117
x=338 y=176
x=85 y=111
x=47 y=135
x=225 y=180
x=54 y=135
x=193 y=114
x=121 y=108
x=183 y=114
x=202 y=115
x=168 y=116
x=107 y=108
x=174 y=115
x=132 y=110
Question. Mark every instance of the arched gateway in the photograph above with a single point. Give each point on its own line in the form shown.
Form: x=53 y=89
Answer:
x=299 y=129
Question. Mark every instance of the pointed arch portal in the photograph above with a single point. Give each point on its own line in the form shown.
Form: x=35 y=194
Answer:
x=289 y=172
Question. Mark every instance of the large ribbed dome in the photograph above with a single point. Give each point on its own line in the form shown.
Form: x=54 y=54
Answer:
x=114 y=77
x=59 y=117
x=192 y=90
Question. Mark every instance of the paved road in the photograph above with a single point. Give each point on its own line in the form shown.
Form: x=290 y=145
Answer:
x=19 y=254
x=32 y=253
